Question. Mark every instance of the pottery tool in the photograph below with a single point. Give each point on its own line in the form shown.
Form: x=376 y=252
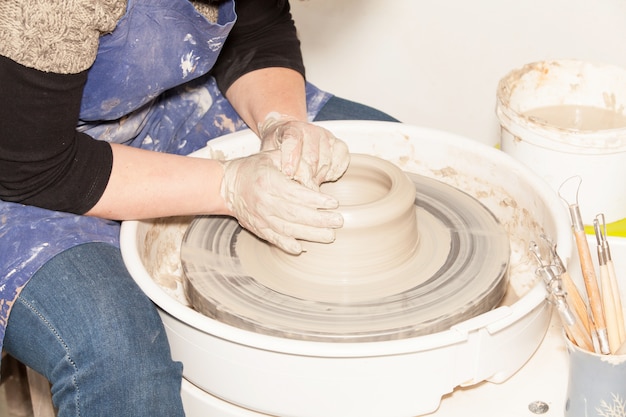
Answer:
x=589 y=275
x=574 y=297
x=610 y=291
x=572 y=321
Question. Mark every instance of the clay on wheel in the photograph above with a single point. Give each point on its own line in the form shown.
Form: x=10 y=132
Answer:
x=414 y=257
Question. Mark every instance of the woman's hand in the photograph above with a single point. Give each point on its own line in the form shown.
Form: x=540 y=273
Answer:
x=310 y=154
x=275 y=207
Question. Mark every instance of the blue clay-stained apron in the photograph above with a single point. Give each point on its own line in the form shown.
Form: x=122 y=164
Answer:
x=150 y=87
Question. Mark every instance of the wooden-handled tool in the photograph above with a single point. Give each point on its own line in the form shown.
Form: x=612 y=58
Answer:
x=574 y=298
x=598 y=323
x=572 y=322
x=589 y=277
x=611 y=298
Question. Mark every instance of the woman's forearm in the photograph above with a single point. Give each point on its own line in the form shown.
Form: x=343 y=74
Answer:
x=146 y=184
x=260 y=92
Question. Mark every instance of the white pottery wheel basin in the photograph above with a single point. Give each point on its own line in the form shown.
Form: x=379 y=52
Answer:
x=398 y=378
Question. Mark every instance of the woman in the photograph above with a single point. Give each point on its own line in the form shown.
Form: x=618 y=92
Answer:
x=100 y=101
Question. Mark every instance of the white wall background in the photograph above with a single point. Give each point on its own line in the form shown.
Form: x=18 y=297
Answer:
x=436 y=63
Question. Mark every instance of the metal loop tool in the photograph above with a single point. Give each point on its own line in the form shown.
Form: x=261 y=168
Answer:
x=552 y=272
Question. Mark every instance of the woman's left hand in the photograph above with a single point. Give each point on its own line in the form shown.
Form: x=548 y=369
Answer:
x=310 y=154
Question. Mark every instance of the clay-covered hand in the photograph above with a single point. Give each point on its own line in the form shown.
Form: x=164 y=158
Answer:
x=310 y=154
x=274 y=207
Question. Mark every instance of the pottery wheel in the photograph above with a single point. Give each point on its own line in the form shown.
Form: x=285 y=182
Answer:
x=459 y=271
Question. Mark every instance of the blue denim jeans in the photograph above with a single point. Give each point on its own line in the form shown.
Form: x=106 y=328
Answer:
x=82 y=322
x=341 y=109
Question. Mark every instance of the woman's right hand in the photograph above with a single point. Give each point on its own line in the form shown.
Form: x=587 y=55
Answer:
x=274 y=207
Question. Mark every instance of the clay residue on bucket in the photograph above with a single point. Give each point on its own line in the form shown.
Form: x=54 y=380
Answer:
x=566 y=96
x=507 y=86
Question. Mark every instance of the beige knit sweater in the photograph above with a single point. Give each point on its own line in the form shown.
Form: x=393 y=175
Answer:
x=61 y=35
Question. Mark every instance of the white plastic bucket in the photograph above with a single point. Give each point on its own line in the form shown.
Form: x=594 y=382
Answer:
x=558 y=151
